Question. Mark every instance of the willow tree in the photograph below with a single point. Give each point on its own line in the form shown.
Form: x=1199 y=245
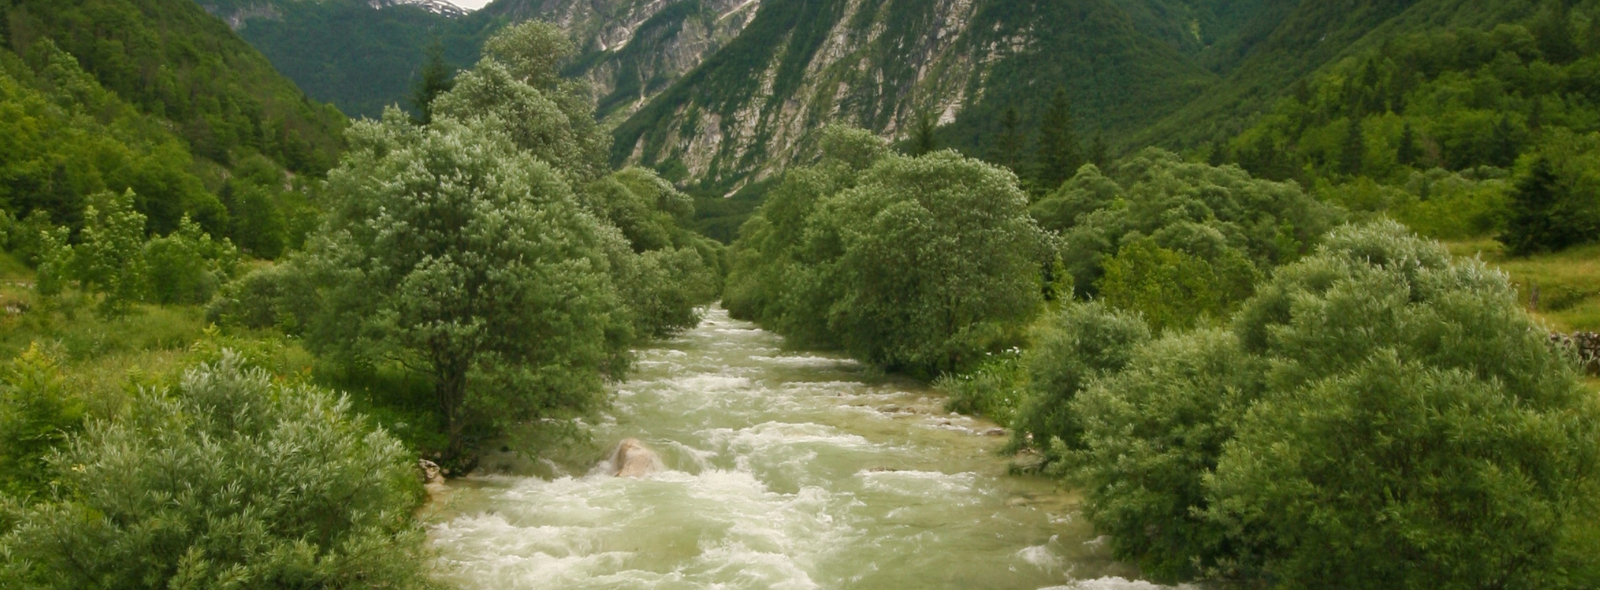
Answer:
x=453 y=254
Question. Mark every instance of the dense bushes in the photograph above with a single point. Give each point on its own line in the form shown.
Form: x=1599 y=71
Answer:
x=113 y=260
x=915 y=264
x=227 y=479
x=1377 y=415
x=1179 y=238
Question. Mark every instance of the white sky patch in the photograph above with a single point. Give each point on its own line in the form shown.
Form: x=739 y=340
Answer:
x=471 y=4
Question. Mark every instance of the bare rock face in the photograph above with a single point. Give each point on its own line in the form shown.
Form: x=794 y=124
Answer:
x=632 y=459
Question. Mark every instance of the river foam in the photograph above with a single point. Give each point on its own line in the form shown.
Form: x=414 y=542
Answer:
x=782 y=470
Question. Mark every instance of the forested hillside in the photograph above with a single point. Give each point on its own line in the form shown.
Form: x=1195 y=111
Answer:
x=160 y=99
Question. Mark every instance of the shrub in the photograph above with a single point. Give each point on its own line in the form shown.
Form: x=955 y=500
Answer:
x=186 y=266
x=36 y=414
x=1073 y=346
x=1151 y=433
x=1380 y=415
x=227 y=479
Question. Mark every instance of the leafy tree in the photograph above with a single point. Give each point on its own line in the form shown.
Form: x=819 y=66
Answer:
x=187 y=266
x=435 y=79
x=36 y=414
x=454 y=254
x=109 y=257
x=1152 y=429
x=228 y=479
x=1553 y=31
x=1073 y=346
x=1266 y=223
x=1173 y=289
x=915 y=264
x=938 y=262
x=1059 y=154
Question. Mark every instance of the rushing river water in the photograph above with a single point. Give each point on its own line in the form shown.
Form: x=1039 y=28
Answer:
x=784 y=470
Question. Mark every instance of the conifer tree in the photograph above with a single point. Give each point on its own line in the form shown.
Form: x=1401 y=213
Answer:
x=1534 y=223
x=1354 y=149
x=1098 y=153
x=1552 y=30
x=437 y=77
x=1503 y=148
x=922 y=140
x=1409 y=152
x=1008 y=146
x=1059 y=155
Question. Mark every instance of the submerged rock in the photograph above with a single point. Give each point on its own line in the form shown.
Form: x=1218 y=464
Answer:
x=632 y=459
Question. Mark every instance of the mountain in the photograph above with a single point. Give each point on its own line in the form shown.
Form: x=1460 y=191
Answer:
x=363 y=54
x=881 y=64
x=359 y=55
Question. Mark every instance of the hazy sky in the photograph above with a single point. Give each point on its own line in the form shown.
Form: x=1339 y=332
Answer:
x=471 y=4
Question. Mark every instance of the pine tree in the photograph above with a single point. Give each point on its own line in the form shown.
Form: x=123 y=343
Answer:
x=1008 y=145
x=437 y=77
x=1503 y=146
x=922 y=140
x=1532 y=227
x=1059 y=156
x=1409 y=151
x=1098 y=152
x=1552 y=30
x=1355 y=148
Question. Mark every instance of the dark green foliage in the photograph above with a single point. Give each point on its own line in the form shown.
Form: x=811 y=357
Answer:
x=1547 y=214
x=1353 y=151
x=923 y=141
x=1059 y=154
x=357 y=57
x=226 y=479
x=1174 y=289
x=1223 y=216
x=1379 y=415
x=1009 y=141
x=493 y=286
x=435 y=79
x=1408 y=153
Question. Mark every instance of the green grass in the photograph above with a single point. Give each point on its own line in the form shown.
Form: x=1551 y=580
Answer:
x=1568 y=281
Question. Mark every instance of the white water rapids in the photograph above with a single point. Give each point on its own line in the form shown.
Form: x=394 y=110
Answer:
x=785 y=470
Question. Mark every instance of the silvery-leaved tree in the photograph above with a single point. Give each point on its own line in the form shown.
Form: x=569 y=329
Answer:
x=452 y=253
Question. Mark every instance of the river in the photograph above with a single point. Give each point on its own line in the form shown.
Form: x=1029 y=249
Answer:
x=785 y=470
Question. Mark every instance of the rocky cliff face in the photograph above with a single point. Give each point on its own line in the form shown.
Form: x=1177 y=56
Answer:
x=631 y=50
x=880 y=64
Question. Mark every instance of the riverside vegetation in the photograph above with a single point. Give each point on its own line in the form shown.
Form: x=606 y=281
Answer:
x=1264 y=374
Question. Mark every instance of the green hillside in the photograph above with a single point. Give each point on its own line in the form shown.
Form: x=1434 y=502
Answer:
x=352 y=55
x=158 y=98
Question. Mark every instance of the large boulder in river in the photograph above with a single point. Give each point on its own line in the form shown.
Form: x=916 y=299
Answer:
x=632 y=459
